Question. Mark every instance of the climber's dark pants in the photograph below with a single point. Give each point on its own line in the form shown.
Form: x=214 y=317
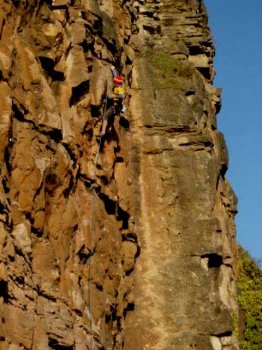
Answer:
x=109 y=113
x=108 y=119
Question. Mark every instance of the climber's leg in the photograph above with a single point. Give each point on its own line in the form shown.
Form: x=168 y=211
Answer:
x=108 y=114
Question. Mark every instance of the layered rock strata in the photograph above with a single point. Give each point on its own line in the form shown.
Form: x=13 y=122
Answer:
x=132 y=248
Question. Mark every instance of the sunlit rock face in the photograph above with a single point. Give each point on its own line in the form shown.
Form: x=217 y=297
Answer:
x=132 y=248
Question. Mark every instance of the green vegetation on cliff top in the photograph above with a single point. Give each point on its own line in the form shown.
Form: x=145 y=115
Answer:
x=249 y=284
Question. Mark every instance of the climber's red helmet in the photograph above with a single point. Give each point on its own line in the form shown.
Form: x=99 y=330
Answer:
x=118 y=80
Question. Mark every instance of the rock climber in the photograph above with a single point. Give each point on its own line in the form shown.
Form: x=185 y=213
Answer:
x=114 y=105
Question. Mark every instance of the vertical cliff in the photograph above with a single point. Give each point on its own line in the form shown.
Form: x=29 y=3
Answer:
x=131 y=248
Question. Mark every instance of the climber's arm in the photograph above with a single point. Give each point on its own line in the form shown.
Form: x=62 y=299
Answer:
x=114 y=71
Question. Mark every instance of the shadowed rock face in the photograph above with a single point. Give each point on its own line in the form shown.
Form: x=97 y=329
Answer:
x=132 y=248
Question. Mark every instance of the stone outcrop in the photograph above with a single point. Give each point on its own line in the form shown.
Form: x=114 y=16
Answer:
x=132 y=248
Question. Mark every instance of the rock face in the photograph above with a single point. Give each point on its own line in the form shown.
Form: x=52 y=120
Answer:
x=132 y=248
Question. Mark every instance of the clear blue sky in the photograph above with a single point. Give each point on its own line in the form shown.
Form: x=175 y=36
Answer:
x=236 y=26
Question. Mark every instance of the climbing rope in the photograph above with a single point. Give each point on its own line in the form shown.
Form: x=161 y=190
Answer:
x=93 y=224
x=92 y=227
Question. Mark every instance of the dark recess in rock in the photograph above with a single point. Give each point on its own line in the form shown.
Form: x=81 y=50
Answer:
x=48 y=65
x=4 y=291
x=79 y=92
x=214 y=260
x=54 y=344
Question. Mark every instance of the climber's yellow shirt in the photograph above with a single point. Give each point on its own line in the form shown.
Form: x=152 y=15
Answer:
x=119 y=90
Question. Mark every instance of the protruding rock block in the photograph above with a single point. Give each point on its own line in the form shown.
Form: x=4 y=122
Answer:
x=58 y=3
